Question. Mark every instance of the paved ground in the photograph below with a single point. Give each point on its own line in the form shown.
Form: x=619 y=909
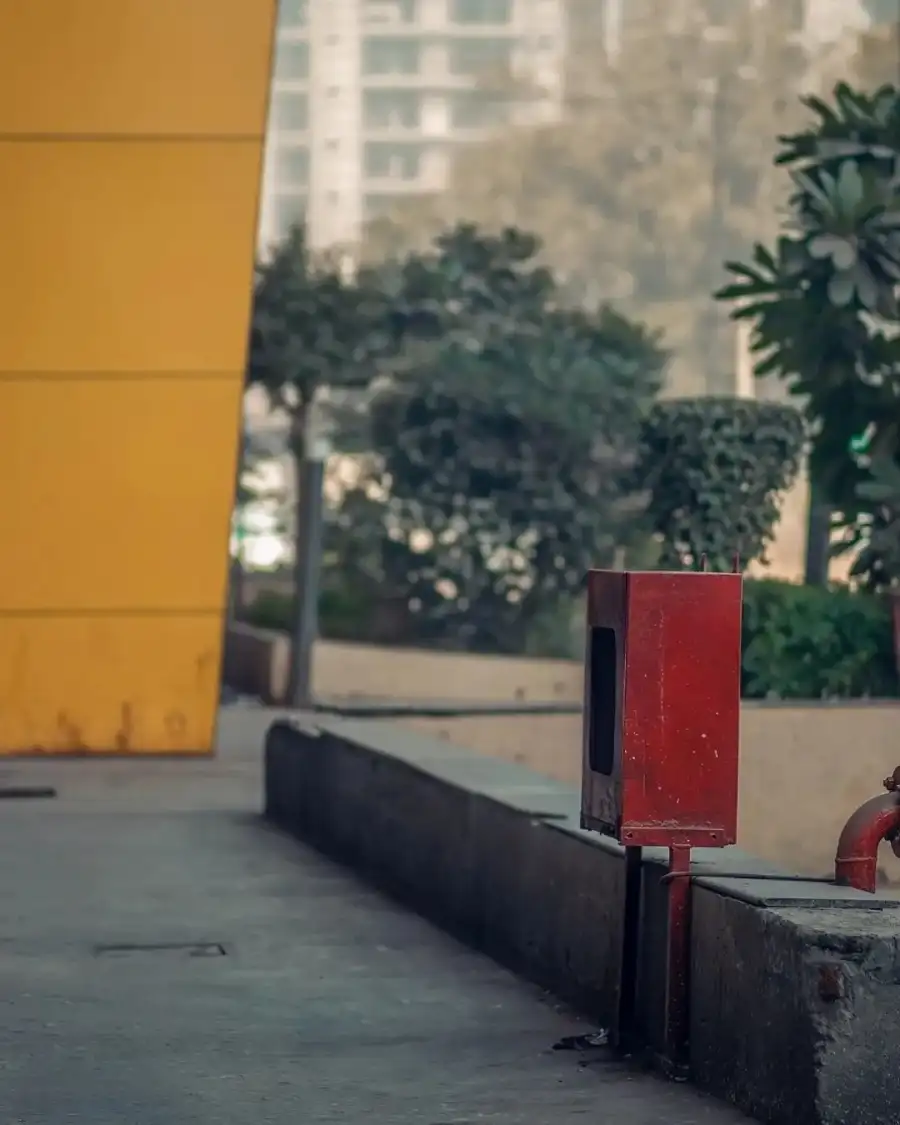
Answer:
x=329 y=1004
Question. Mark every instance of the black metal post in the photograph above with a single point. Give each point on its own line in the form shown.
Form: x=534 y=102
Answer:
x=307 y=564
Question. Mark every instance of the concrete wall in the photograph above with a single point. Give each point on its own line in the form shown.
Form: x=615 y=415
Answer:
x=804 y=767
x=793 y=985
x=364 y=672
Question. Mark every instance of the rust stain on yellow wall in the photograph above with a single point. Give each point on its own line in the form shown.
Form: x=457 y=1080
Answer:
x=158 y=675
x=131 y=136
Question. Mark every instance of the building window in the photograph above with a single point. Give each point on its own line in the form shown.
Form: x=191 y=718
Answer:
x=392 y=109
x=291 y=166
x=288 y=209
x=474 y=56
x=390 y=56
x=293 y=13
x=879 y=11
x=290 y=112
x=476 y=110
x=719 y=12
x=481 y=11
x=392 y=161
x=292 y=62
x=390 y=11
x=377 y=205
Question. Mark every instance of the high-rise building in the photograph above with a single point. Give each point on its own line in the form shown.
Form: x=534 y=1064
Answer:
x=675 y=12
x=817 y=19
x=370 y=96
x=882 y=11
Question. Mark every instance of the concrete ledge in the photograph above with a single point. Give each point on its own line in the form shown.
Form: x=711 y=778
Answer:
x=529 y=712
x=796 y=1010
x=794 y=998
x=256 y=662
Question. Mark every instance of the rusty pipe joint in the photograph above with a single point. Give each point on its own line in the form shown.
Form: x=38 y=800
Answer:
x=856 y=861
x=892 y=785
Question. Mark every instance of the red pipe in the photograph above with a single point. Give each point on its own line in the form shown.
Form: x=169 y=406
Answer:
x=856 y=862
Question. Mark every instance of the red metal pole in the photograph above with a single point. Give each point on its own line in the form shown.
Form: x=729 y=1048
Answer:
x=856 y=862
x=678 y=960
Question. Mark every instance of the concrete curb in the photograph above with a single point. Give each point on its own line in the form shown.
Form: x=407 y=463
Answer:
x=794 y=983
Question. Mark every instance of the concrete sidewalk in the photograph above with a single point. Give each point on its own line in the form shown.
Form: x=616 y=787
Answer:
x=325 y=1002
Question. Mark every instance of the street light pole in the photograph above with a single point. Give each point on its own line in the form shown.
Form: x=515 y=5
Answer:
x=308 y=555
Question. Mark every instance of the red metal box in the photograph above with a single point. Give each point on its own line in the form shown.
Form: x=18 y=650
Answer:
x=662 y=707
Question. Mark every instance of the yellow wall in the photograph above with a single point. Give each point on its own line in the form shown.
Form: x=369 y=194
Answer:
x=131 y=136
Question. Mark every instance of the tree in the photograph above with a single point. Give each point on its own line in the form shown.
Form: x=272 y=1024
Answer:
x=261 y=496
x=715 y=469
x=879 y=557
x=823 y=299
x=505 y=442
x=315 y=328
x=658 y=169
x=256 y=502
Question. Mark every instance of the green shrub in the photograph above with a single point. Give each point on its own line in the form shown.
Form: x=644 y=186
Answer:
x=715 y=469
x=341 y=616
x=799 y=642
x=270 y=610
x=806 y=642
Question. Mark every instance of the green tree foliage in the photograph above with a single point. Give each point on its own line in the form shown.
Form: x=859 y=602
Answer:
x=504 y=442
x=314 y=327
x=879 y=556
x=246 y=492
x=815 y=642
x=715 y=469
x=823 y=300
x=255 y=493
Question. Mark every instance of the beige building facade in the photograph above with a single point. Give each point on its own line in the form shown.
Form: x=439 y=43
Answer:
x=370 y=96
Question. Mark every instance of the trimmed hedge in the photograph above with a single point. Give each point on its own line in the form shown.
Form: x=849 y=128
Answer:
x=799 y=642
x=340 y=618
x=811 y=642
x=715 y=468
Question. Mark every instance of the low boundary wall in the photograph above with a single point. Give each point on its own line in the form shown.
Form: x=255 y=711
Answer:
x=794 y=984
x=805 y=766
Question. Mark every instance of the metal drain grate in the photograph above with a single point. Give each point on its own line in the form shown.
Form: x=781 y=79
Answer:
x=27 y=792
x=190 y=949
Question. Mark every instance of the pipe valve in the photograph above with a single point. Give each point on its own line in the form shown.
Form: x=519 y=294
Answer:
x=856 y=861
